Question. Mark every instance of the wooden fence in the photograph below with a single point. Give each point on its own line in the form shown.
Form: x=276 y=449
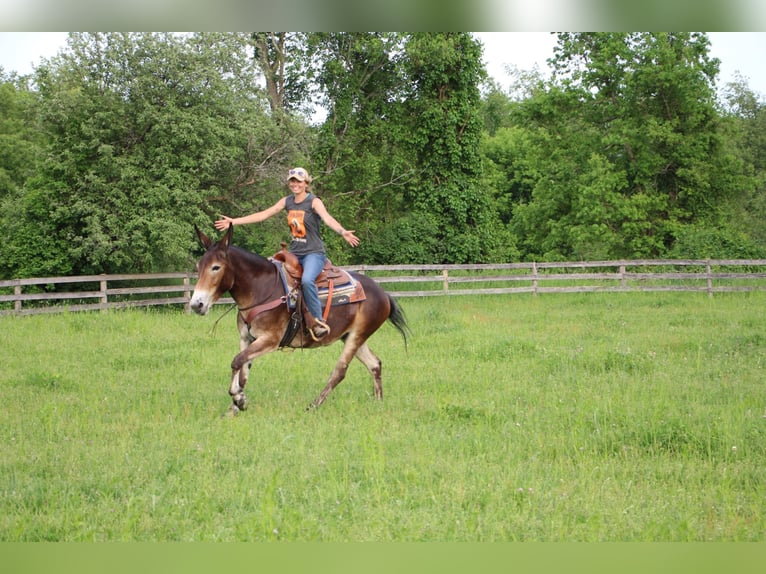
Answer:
x=94 y=292
x=101 y=292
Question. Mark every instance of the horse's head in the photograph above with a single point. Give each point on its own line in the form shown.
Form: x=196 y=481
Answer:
x=214 y=271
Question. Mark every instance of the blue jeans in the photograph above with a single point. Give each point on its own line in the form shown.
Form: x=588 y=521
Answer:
x=312 y=263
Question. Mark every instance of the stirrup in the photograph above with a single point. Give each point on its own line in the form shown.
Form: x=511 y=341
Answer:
x=322 y=327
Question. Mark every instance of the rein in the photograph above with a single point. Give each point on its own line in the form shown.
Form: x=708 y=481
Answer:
x=215 y=325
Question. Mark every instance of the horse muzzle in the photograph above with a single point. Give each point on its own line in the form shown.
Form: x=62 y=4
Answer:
x=200 y=303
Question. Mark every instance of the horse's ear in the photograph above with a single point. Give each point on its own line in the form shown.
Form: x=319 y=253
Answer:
x=203 y=239
x=226 y=241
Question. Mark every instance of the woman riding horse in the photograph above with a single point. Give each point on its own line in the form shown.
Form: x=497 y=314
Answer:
x=305 y=213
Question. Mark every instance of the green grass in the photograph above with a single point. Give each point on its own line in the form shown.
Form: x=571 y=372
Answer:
x=582 y=417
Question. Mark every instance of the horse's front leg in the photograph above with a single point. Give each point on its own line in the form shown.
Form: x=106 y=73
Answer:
x=240 y=369
x=239 y=375
x=240 y=372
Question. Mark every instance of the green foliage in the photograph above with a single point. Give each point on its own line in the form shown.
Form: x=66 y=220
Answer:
x=716 y=242
x=359 y=157
x=398 y=154
x=21 y=141
x=627 y=147
x=147 y=132
x=445 y=71
x=744 y=125
x=22 y=144
x=281 y=57
x=113 y=150
x=410 y=238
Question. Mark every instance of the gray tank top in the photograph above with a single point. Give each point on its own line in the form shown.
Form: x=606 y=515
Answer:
x=305 y=226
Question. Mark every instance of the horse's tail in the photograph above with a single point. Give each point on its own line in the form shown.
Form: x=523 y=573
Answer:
x=397 y=318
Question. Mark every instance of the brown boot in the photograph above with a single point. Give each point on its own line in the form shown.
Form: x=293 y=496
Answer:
x=320 y=330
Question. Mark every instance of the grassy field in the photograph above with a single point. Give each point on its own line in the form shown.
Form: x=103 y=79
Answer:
x=592 y=417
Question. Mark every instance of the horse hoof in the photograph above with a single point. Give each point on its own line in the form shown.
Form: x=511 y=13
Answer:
x=231 y=412
x=240 y=401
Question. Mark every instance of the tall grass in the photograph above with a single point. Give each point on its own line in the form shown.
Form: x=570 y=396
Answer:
x=588 y=417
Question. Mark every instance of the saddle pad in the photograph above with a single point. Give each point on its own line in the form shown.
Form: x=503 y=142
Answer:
x=350 y=292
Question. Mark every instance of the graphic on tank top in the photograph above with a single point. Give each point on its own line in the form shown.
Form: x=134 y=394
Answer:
x=296 y=223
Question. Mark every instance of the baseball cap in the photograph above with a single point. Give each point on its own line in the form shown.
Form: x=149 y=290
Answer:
x=300 y=174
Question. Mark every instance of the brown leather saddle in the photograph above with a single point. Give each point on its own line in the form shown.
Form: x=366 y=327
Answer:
x=335 y=286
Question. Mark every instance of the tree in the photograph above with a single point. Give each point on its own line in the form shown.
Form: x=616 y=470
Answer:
x=400 y=145
x=630 y=146
x=361 y=164
x=149 y=133
x=21 y=138
x=283 y=61
x=737 y=227
x=444 y=71
x=22 y=146
x=497 y=106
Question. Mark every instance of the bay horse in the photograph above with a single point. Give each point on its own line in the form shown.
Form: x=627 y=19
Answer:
x=264 y=316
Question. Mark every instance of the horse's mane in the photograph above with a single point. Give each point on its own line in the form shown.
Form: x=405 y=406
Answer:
x=248 y=256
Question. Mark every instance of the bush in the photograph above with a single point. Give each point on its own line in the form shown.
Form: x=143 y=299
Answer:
x=701 y=241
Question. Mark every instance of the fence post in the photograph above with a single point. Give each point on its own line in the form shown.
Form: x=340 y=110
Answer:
x=445 y=281
x=17 y=293
x=534 y=278
x=623 y=281
x=104 y=296
x=709 y=278
x=187 y=293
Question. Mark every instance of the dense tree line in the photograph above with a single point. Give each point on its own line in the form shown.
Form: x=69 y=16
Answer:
x=111 y=152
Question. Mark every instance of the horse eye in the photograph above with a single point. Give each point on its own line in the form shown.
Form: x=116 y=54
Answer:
x=215 y=268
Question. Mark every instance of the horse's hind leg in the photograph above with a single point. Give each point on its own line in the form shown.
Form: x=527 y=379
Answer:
x=339 y=372
x=373 y=364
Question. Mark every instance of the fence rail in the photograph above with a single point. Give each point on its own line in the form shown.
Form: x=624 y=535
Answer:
x=47 y=297
x=101 y=292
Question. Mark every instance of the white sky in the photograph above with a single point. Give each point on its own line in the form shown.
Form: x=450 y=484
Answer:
x=22 y=51
x=742 y=52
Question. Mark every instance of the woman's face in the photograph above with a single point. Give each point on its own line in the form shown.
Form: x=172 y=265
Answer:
x=297 y=187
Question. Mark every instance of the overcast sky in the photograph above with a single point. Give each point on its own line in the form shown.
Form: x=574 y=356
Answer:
x=741 y=52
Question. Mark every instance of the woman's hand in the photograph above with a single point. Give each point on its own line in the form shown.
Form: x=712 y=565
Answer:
x=223 y=223
x=348 y=235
